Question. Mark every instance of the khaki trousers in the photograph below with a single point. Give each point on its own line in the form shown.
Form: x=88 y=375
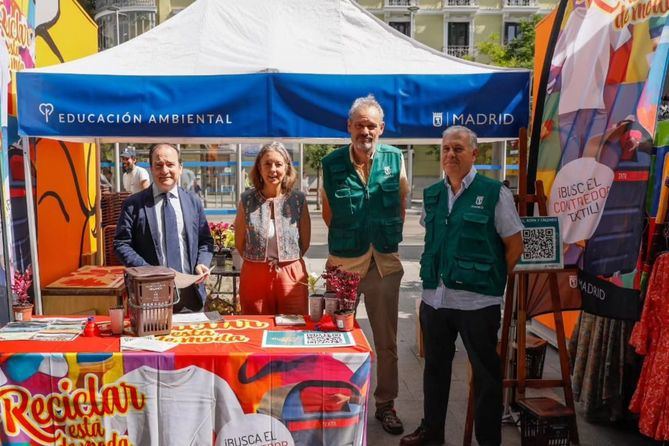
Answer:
x=381 y=301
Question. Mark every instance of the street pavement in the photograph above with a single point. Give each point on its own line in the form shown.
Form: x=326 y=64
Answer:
x=409 y=403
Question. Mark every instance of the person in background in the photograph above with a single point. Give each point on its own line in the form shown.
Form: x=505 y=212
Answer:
x=135 y=178
x=188 y=179
x=364 y=191
x=165 y=225
x=272 y=233
x=105 y=179
x=472 y=241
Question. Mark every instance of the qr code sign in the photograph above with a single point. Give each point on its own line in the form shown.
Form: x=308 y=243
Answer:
x=324 y=338
x=539 y=244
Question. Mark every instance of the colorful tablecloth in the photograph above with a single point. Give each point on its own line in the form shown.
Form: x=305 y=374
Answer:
x=218 y=386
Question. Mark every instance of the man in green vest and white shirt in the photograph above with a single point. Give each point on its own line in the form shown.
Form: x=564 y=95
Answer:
x=364 y=191
x=472 y=240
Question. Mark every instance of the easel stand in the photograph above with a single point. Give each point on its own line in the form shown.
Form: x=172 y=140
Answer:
x=516 y=299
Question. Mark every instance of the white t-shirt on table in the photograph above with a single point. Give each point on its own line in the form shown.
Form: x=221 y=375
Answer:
x=183 y=407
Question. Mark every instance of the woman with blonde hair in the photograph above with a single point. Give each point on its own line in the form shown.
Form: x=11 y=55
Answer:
x=272 y=232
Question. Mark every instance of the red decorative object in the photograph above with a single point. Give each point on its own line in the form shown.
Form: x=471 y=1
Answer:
x=90 y=330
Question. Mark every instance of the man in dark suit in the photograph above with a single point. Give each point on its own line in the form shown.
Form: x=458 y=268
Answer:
x=165 y=225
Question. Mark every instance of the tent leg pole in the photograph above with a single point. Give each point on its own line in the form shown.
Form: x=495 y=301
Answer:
x=301 y=146
x=117 y=167
x=409 y=198
x=6 y=213
x=98 y=208
x=503 y=160
x=240 y=176
x=32 y=227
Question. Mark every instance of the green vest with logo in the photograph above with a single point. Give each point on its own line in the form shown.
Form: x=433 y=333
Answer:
x=363 y=214
x=463 y=247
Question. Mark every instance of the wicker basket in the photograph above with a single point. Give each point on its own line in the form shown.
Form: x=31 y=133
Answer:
x=151 y=295
x=544 y=422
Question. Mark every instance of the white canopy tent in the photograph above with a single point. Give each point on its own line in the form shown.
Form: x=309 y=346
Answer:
x=230 y=71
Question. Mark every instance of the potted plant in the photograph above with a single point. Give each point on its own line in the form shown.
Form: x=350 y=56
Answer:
x=224 y=241
x=315 y=299
x=345 y=286
x=22 y=306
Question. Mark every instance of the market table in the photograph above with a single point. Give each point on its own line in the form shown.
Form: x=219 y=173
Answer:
x=89 y=290
x=218 y=386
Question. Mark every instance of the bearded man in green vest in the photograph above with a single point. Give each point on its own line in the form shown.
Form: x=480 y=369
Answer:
x=472 y=240
x=364 y=190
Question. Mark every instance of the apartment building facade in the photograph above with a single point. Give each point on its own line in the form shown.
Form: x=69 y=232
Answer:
x=456 y=27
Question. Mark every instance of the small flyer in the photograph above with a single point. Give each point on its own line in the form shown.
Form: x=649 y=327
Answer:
x=289 y=319
x=307 y=339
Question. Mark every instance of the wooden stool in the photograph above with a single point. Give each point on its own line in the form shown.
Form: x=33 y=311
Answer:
x=544 y=422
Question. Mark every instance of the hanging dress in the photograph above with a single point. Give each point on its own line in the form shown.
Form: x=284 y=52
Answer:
x=650 y=338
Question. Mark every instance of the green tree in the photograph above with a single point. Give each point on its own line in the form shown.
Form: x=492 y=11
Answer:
x=89 y=6
x=518 y=53
x=313 y=156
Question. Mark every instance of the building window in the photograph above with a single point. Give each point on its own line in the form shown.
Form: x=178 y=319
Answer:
x=403 y=27
x=462 y=2
x=521 y=3
x=511 y=31
x=119 y=21
x=403 y=3
x=458 y=39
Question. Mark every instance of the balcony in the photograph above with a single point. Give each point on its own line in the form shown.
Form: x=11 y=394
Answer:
x=461 y=3
x=459 y=51
x=520 y=4
x=102 y=5
x=397 y=4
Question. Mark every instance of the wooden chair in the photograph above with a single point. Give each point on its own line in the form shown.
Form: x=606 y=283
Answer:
x=110 y=258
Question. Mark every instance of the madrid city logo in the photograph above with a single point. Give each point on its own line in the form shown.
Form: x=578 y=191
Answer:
x=440 y=119
x=46 y=109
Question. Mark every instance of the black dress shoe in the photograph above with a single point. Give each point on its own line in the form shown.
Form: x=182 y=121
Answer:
x=389 y=420
x=421 y=437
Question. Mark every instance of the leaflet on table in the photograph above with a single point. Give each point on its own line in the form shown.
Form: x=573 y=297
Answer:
x=196 y=318
x=48 y=329
x=16 y=335
x=306 y=339
x=149 y=343
x=24 y=327
x=289 y=319
x=54 y=336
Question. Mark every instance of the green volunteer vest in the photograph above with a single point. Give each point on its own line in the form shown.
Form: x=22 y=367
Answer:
x=463 y=247
x=363 y=214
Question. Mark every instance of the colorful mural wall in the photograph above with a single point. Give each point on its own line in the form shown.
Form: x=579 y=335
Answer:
x=66 y=172
x=17 y=32
x=593 y=139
